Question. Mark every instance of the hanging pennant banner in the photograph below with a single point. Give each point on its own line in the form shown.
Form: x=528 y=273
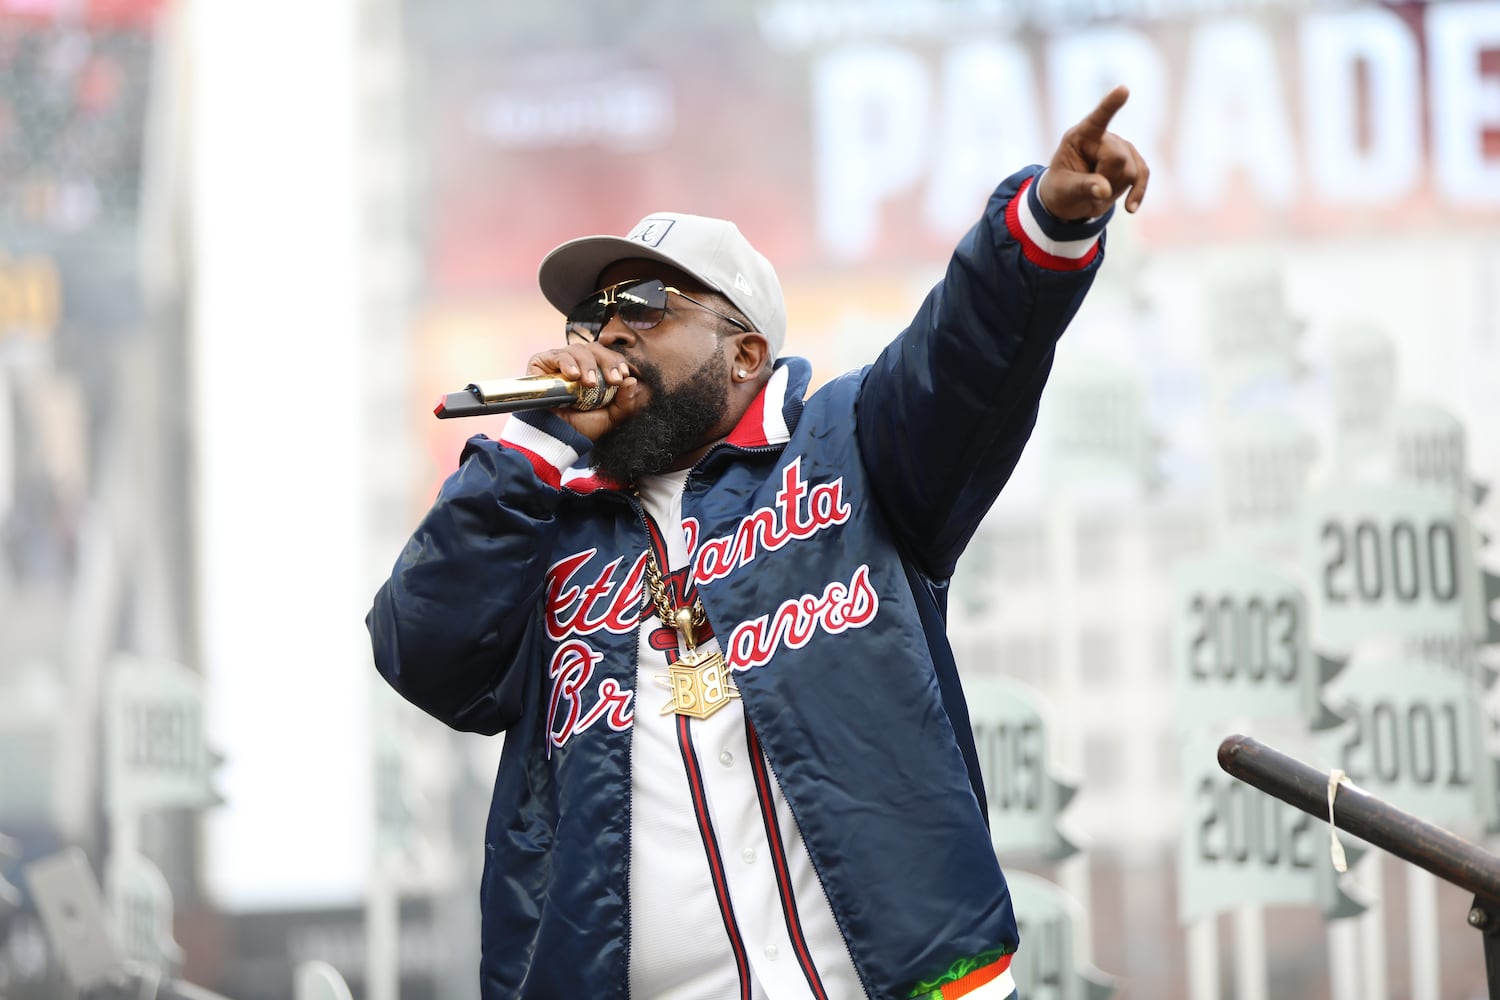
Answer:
x=1251 y=333
x=1242 y=847
x=1010 y=733
x=1261 y=468
x=1390 y=561
x=1048 y=966
x=1414 y=735
x=1239 y=643
x=141 y=902
x=1457 y=653
x=1095 y=425
x=157 y=757
x=1430 y=448
x=1363 y=375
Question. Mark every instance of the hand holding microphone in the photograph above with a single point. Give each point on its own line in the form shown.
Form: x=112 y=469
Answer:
x=588 y=385
x=527 y=392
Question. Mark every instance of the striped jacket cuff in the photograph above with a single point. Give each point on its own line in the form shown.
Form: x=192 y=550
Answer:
x=984 y=978
x=1047 y=241
x=548 y=442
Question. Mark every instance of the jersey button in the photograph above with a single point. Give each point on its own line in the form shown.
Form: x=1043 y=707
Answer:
x=726 y=758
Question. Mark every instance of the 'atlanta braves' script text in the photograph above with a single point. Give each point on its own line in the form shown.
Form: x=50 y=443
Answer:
x=611 y=599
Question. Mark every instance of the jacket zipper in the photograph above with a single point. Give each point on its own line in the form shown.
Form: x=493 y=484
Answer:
x=640 y=514
x=817 y=871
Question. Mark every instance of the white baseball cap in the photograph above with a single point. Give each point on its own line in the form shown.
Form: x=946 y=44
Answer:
x=712 y=250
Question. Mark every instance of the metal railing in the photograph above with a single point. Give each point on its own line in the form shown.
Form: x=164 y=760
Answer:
x=1382 y=825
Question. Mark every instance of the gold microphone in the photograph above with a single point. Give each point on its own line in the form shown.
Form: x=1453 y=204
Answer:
x=525 y=392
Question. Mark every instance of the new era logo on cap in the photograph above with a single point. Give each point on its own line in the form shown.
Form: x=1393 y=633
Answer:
x=651 y=231
x=743 y=285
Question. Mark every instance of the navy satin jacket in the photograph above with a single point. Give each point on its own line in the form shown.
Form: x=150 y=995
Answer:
x=826 y=532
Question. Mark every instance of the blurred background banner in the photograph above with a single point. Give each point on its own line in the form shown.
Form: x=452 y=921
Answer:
x=244 y=248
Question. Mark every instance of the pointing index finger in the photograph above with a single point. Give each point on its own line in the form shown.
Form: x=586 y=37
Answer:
x=1097 y=121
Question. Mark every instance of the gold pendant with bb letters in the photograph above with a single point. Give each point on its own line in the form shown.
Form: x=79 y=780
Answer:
x=700 y=685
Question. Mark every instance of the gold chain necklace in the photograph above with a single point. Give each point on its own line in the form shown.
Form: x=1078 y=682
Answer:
x=700 y=685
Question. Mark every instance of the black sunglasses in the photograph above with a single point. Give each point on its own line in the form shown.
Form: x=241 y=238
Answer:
x=640 y=305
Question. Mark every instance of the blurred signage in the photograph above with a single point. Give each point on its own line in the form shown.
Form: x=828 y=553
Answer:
x=1363 y=373
x=142 y=905
x=894 y=121
x=1095 y=418
x=1245 y=102
x=1048 y=966
x=1391 y=561
x=620 y=110
x=1251 y=333
x=1430 y=448
x=1025 y=798
x=157 y=755
x=1240 y=643
x=1242 y=847
x=1414 y=735
x=1262 y=465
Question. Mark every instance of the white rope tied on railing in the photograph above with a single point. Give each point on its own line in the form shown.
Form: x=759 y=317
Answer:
x=1335 y=848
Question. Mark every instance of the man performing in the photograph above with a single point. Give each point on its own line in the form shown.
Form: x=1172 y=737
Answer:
x=709 y=616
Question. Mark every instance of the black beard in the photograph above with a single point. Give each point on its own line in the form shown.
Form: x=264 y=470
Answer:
x=672 y=424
